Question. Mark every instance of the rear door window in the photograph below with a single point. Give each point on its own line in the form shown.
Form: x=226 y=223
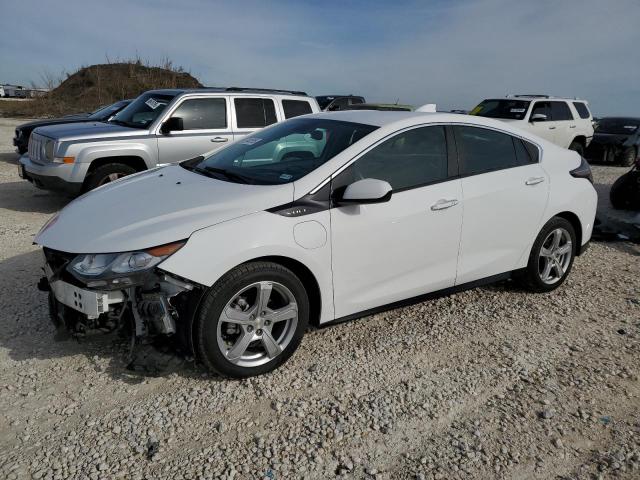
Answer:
x=482 y=150
x=560 y=111
x=203 y=113
x=254 y=112
x=582 y=109
x=295 y=108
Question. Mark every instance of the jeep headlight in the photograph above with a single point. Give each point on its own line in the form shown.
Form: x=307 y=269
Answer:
x=114 y=264
x=49 y=148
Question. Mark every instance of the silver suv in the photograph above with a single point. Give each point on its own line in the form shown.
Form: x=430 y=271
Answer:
x=157 y=128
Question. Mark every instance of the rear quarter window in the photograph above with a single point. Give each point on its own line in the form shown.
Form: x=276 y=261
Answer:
x=582 y=109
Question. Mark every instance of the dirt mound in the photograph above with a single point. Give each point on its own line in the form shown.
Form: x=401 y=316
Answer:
x=97 y=85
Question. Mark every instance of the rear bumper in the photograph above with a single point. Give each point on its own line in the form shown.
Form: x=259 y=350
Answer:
x=54 y=177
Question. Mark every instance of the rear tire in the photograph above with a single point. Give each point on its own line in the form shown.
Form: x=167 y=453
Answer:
x=107 y=174
x=551 y=257
x=628 y=156
x=625 y=191
x=251 y=321
x=577 y=147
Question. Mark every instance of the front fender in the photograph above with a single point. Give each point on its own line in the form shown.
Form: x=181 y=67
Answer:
x=214 y=251
x=147 y=151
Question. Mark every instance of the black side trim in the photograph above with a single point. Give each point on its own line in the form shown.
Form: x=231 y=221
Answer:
x=421 y=298
x=310 y=203
x=583 y=248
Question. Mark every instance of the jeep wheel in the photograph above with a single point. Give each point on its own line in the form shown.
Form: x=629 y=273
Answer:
x=107 y=174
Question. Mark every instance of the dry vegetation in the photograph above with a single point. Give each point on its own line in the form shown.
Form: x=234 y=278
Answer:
x=96 y=85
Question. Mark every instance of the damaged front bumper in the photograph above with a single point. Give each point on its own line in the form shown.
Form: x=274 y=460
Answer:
x=146 y=305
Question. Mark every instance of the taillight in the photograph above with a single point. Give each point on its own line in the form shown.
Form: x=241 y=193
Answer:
x=583 y=171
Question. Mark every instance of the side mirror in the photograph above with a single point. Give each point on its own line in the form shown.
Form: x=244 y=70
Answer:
x=174 y=124
x=538 y=117
x=367 y=190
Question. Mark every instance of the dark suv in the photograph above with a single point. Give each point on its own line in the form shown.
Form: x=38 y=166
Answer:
x=331 y=103
x=23 y=132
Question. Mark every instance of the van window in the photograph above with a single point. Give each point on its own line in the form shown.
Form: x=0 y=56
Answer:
x=560 y=111
x=294 y=108
x=203 y=113
x=582 y=109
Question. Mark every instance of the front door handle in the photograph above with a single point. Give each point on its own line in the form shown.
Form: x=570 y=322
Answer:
x=444 y=203
x=552 y=128
x=219 y=139
x=572 y=126
x=534 y=180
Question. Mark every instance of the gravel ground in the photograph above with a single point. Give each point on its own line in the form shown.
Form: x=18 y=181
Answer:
x=489 y=383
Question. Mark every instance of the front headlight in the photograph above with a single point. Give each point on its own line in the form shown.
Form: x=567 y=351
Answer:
x=106 y=264
x=49 y=148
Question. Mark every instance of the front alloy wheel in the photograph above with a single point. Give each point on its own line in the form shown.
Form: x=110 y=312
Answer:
x=251 y=321
x=257 y=324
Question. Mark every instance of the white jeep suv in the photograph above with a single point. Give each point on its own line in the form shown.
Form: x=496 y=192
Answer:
x=318 y=219
x=565 y=122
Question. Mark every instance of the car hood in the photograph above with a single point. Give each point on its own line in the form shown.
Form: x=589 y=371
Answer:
x=52 y=121
x=88 y=130
x=153 y=208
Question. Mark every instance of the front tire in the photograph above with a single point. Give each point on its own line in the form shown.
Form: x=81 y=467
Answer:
x=106 y=174
x=551 y=257
x=251 y=321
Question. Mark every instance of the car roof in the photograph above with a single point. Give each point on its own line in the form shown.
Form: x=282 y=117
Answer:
x=537 y=97
x=229 y=91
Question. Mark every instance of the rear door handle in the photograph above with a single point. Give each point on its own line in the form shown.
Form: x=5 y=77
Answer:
x=444 y=203
x=534 y=180
x=572 y=126
x=552 y=128
x=219 y=139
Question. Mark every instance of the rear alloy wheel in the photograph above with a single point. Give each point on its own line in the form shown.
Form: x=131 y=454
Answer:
x=106 y=174
x=252 y=320
x=551 y=257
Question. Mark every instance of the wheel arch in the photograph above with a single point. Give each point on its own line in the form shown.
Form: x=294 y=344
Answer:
x=574 y=220
x=307 y=278
x=581 y=139
x=132 y=160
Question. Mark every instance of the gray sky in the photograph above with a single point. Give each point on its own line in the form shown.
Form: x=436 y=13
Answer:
x=453 y=53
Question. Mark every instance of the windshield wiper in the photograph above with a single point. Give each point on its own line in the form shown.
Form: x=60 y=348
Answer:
x=120 y=122
x=214 y=172
x=230 y=175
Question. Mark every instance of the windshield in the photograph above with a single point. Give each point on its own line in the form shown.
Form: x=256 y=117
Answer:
x=282 y=153
x=106 y=112
x=619 y=126
x=510 y=109
x=143 y=110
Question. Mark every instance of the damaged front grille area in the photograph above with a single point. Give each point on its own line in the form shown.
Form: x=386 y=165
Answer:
x=150 y=310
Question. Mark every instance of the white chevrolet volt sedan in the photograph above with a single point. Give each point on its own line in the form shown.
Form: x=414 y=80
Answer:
x=320 y=219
